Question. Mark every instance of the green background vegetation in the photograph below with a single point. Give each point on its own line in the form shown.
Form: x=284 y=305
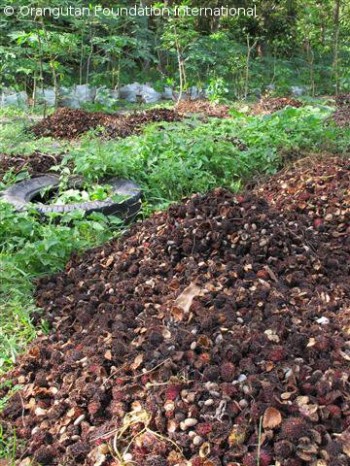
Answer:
x=289 y=43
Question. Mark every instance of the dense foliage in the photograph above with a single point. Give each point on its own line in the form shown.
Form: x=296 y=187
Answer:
x=288 y=43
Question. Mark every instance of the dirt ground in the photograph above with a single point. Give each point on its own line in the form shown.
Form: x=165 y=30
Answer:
x=215 y=333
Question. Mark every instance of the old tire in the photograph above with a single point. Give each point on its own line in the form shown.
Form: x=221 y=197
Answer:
x=20 y=195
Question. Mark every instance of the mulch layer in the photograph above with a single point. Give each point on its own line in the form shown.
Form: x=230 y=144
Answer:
x=204 y=107
x=214 y=334
x=342 y=114
x=274 y=104
x=36 y=163
x=70 y=123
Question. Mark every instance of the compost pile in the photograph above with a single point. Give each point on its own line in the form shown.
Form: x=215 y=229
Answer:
x=274 y=104
x=342 y=114
x=70 y=123
x=215 y=333
x=317 y=188
x=36 y=163
x=203 y=107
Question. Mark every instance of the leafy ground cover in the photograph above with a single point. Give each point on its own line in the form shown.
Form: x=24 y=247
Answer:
x=169 y=160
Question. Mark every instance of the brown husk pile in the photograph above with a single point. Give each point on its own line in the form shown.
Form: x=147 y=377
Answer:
x=273 y=104
x=36 y=163
x=216 y=332
x=342 y=113
x=70 y=123
x=203 y=107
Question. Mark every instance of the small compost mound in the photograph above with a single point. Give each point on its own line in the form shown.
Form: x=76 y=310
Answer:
x=317 y=189
x=70 y=123
x=342 y=114
x=35 y=163
x=215 y=333
x=203 y=107
x=274 y=104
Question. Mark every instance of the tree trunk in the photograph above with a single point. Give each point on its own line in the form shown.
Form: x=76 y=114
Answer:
x=89 y=61
x=180 y=66
x=249 y=51
x=81 y=62
x=336 y=44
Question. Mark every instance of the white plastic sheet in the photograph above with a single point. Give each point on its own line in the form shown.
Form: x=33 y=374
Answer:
x=46 y=96
x=9 y=97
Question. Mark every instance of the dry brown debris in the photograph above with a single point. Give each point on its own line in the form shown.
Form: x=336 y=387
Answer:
x=69 y=123
x=36 y=163
x=204 y=107
x=342 y=114
x=273 y=104
x=176 y=342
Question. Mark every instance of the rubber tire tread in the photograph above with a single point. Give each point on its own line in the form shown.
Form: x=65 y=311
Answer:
x=20 y=194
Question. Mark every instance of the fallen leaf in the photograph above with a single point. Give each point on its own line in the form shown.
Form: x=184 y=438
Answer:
x=302 y=400
x=137 y=362
x=312 y=342
x=184 y=300
x=26 y=462
x=272 y=418
x=177 y=313
x=345 y=439
x=98 y=454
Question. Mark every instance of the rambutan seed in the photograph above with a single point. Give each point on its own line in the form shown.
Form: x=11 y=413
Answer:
x=283 y=449
x=197 y=461
x=94 y=407
x=155 y=460
x=293 y=462
x=204 y=358
x=334 y=411
x=294 y=428
x=203 y=428
x=250 y=459
x=172 y=392
x=277 y=354
x=227 y=371
x=211 y=373
x=334 y=449
x=265 y=458
x=322 y=343
x=262 y=273
x=308 y=388
x=323 y=387
x=228 y=389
